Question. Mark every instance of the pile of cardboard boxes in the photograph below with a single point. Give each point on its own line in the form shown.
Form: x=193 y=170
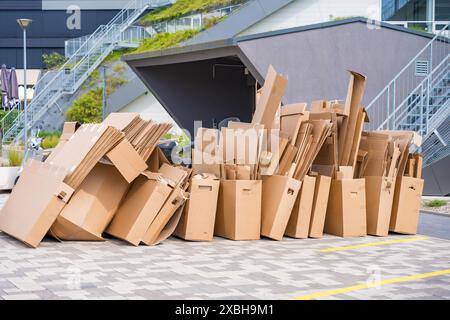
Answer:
x=293 y=171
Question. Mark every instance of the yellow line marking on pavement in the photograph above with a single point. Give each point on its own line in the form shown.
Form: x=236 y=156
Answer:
x=371 y=244
x=371 y=285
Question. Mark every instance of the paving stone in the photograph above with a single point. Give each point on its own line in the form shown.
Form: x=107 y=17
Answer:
x=220 y=269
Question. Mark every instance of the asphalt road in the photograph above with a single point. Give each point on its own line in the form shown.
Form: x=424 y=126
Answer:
x=434 y=225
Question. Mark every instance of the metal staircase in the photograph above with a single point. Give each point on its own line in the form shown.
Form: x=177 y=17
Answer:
x=418 y=98
x=86 y=57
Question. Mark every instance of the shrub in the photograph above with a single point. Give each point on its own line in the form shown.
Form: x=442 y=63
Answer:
x=15 y=157
x=117 y=54
x=53 y=60
x=50 y=142
x=165 y=40
x=210 y=22
x=87 y=108
x=113 y=82
x=44 y=134
x=435 y=203
x=339 y=18
x=118 y=68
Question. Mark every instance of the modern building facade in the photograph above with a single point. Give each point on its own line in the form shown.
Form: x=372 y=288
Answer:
x=306 y=12
x=54 y=21
x=214 y=80
x=429 y=15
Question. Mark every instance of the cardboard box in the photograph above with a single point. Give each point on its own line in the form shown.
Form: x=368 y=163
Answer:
x=406 y=205
x=69 y=129
x=161 y=228
x=92 y=206
x=320 y=204
x=270 y=99
x=47 y=188
x=199 y=214
x=379 y=198
x=27 y=215
x=156 y=160
x=97 y=199
x=349 y=126
x=127 y=160
x=298 y=225
x=140 y=207
x=239 y=210
x=278 y=198
x=205 y=163
x=79 y=155
x=346 y=212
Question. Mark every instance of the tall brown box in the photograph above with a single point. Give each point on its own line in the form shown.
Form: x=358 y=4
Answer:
x=165 y=222
x=141 y=205
x=346 y=212
x=320 y=204
x=406 y=205
x=278 y=198
x=199 y=214
x=298 y=225
x=239 y=210
x=379 y=198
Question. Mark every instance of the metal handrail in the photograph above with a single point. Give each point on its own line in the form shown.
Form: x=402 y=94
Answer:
x=437 y=36
x=97 y=31
x=15 y=108
x=59 y=82
x=432 y=76
x=405 y=23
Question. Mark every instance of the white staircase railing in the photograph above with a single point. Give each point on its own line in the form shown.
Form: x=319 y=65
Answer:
x=192 y=21
x=424 y=108
x=79 y=66
x=397 y=100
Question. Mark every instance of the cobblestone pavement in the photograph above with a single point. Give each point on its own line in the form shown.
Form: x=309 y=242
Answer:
x=404 y=267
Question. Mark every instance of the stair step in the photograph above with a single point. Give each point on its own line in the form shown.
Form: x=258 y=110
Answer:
x=100 y=49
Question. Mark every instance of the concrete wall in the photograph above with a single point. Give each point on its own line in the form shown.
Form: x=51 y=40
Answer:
x=305 y=12
x=149 y=108
x=193 y=91
x=316 y=60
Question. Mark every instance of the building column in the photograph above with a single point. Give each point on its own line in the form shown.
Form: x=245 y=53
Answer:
x=430 y=14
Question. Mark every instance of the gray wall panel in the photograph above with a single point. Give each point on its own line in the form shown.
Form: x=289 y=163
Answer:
x=316 y=60
x=189 y=92
x=437 y=178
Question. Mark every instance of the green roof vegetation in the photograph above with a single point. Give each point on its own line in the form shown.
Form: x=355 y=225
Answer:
x=340 y=18
x=184 y=7
x=116 y=54
x=165 y=40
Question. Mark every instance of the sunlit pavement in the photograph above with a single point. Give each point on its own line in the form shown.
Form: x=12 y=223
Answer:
x=395 y=267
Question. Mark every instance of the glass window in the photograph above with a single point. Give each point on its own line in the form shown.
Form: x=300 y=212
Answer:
x=387 y=9
x=405 y=10
x=442 y=10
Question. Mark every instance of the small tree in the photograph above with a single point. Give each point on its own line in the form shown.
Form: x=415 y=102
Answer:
x=87 y=108
x=53 y=60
